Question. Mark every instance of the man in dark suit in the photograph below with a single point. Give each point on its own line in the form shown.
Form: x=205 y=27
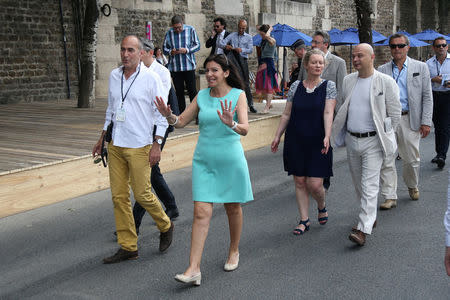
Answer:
x=219 y=33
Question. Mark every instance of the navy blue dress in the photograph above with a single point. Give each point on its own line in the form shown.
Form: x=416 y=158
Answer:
x=305 y=133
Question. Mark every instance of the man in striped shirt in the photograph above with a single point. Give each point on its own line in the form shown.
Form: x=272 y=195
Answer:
x=180 y=43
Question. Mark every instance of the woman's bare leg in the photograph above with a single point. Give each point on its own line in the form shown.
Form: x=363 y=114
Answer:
x=200 y=226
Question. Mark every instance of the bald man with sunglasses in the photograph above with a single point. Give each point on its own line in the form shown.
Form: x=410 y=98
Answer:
x=413 y=80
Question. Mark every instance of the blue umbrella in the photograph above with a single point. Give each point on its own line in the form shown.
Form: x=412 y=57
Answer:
x=350 y=36
x=377 y=37
x=285 y=36
x=334 y=35
x=427 y=35
x=413 y=42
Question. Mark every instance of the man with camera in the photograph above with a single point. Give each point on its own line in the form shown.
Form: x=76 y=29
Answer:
x=132 y=151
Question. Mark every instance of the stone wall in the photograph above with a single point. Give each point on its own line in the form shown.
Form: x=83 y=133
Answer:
x=32 y=64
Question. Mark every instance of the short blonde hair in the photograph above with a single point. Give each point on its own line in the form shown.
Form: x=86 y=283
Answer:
x=311 y=52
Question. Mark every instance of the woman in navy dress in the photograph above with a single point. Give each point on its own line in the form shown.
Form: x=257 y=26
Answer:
x=307 y=120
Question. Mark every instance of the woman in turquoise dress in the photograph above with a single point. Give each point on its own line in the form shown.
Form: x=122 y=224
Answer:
x=219 y=168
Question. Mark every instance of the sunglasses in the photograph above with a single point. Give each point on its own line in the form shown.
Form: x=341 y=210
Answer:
x=440 y=46
x=400 y=46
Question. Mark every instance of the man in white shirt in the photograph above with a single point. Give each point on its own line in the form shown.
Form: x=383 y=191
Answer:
x=132 y=91
x=439 y=66
x=365 y=123
x=157 y=181
x=218 y=34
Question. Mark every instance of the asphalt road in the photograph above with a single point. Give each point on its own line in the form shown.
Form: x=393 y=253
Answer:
x=56 y=252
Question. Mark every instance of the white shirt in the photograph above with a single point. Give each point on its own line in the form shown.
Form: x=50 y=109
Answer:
x=164 y=75
x=141 y=114
x=220 y=37
x=436 y=69
x=360 y=118
x=447 y=217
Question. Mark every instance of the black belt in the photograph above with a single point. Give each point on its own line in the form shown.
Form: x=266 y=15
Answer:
x=405 y=112
x=363 y=135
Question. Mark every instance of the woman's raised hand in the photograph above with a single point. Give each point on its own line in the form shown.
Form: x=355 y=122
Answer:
x=227 y=114
x=164 y=109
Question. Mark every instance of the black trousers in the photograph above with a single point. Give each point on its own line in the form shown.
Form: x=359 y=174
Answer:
x=248 y=92
x=441 y=120
x=161 y=189
x=181 y=78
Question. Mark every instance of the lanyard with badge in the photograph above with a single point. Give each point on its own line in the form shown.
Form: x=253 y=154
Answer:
x=120 y=115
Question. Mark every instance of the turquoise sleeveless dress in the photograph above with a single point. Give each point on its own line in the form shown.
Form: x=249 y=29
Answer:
x=219 y=168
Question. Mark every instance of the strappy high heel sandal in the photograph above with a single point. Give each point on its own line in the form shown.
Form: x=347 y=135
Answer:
x=298 y=231
x=322 y=220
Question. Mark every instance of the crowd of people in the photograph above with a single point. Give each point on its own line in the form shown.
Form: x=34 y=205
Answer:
x=373 y=112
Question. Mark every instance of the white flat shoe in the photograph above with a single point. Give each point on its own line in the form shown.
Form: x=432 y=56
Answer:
x=231 y=267
x=194 y=279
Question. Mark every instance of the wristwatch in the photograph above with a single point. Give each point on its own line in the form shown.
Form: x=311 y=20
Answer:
x=159 y=141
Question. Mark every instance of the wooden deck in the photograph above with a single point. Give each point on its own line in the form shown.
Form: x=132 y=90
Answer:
x=45 y=151
x=40 y=133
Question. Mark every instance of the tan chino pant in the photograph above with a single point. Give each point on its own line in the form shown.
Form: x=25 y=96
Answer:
x=130 y=167
x=408 y=148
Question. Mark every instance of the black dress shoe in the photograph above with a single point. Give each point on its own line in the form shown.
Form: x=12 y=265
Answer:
x=172 y=213
x=435 y=159
x=165 y=239
x=440 y=162
x=253 y=110
x=121 y=255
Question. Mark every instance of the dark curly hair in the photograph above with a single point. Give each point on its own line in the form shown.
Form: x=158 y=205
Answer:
x=234 y=79
x=264 y=28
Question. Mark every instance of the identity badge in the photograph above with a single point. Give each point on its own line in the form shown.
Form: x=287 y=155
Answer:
x=120 y=115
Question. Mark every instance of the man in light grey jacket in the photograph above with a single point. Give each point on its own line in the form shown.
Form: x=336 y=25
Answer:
x=365 y=123
x=334 y=70
x=413 y=80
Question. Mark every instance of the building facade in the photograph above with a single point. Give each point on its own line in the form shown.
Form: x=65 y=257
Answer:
x=37 y=65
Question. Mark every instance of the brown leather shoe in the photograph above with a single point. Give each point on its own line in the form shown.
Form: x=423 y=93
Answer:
x=388 y=204
x=355 y=228
x=121 y=255
x=358 y=237
x=414 y=193
x=165 y=239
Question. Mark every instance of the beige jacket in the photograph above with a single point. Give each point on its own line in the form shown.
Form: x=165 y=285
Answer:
x=385 y=105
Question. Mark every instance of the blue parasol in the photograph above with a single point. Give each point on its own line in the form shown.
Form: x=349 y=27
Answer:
x=285 y=36
x=350 y=36
x=427 y=35
x=413 y=42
